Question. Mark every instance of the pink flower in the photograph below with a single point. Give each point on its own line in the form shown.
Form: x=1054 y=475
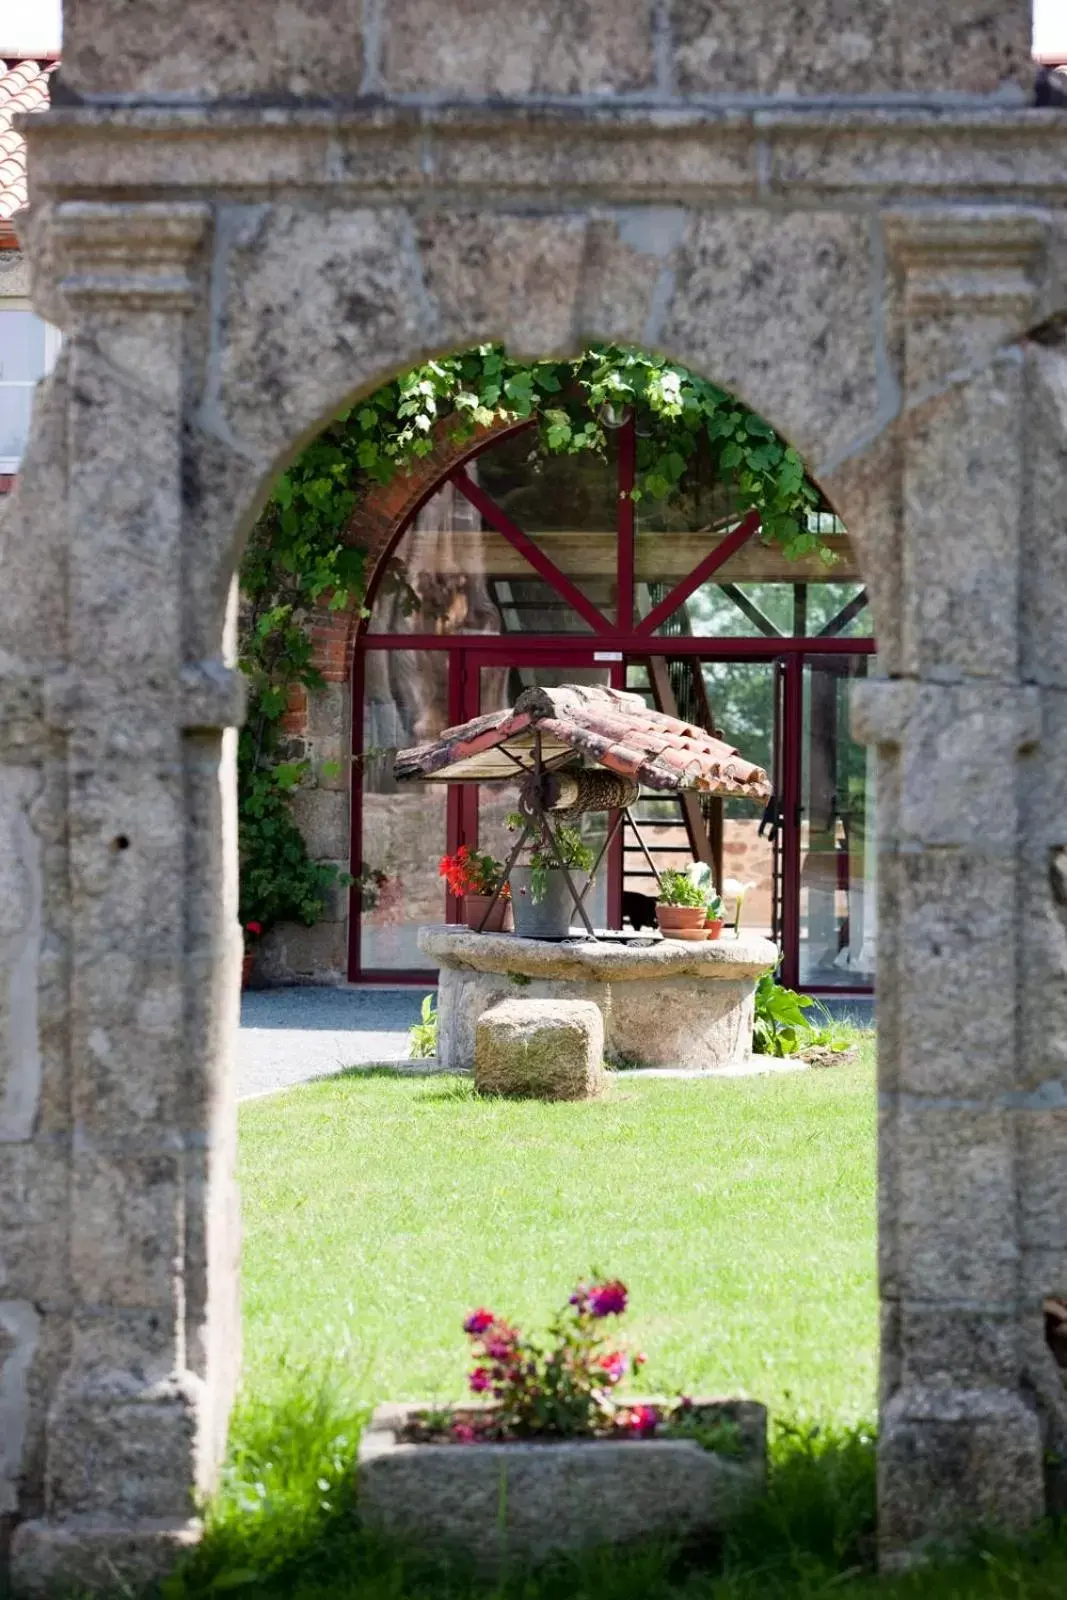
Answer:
x=500 y=1349
x=644 y=1420
x=480 y=1380
x=608 y=1299
x=478 y=1321
x=639 y=1359
x=463 y=1433
x=613 y=1364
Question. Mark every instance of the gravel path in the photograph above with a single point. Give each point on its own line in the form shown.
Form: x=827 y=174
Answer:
x=290 y=1035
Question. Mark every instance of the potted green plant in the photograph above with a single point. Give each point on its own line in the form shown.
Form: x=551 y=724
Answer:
x=680 y=909
x=544 y=906
x=715 y=912
x=474 y=877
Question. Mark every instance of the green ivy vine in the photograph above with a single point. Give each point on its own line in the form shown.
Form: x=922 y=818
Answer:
x=297 y=558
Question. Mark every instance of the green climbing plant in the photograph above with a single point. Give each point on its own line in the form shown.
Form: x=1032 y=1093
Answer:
x=297 y=558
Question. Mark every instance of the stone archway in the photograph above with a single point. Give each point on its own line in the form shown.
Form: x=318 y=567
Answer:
x=289 y=259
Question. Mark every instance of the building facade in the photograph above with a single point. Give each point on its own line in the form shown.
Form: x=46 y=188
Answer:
x=243 y=219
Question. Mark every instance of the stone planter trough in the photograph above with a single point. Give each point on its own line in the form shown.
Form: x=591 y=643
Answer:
x=530 y=1500
x=665 y=1003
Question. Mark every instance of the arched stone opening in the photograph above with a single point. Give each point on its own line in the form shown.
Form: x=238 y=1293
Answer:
x=880 y=323
x=451 y=590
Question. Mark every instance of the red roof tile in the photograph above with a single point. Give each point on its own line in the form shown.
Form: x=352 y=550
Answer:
x=614 y=729
x=24 y=86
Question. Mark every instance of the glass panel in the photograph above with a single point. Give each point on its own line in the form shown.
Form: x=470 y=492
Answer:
x=449 y=575
x=837 y=843
x=15 y=405
x=758 y=590
x=22 y=336
x=404 y=825
x=737 y=699
x=500 y=687
x=674 y=534
x=567 y=505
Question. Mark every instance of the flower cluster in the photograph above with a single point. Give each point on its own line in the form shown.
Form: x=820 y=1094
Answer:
x=471 y=872
x=562 y=1389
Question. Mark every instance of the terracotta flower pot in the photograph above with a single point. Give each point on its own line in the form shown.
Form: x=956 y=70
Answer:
x=681 y=922
x=715 y=927
x=248 y=964
x=500 y=918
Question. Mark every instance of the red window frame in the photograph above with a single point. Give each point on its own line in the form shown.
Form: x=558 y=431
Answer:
x=627 y=640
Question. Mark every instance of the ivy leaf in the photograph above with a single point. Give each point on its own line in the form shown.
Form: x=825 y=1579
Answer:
x=287 y=774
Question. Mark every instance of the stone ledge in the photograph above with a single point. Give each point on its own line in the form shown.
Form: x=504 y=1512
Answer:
x=47 y=1558
x=636 y=151
x=726 y=959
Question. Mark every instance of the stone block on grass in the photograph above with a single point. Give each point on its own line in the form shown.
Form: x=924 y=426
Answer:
x=540 y=1049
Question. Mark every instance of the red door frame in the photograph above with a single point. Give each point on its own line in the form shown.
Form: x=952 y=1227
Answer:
x=630 y=639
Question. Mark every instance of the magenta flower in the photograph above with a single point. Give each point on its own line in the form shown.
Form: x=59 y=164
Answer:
x=608 y=1299
x=463 y=1433
x=478 y=1321
x=480 y=1380
x=613 y=1365
x=644 y=1420
x=500 y=1349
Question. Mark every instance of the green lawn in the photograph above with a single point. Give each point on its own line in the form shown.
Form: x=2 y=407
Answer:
x=378 y=1210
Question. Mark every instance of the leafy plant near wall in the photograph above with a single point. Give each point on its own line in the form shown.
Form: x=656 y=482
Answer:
x=297 y=557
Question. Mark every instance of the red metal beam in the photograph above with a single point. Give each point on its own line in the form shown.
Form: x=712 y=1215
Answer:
x=625 y=522
x=505 y=646
x=700 y=574
x=502 y=524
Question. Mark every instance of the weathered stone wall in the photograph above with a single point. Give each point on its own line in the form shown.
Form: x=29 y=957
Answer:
x=244 y=217
x=551 y=49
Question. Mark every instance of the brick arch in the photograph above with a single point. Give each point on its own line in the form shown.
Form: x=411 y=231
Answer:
x=377 y=524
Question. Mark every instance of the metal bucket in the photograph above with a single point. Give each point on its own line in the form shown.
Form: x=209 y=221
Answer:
x=550 y=917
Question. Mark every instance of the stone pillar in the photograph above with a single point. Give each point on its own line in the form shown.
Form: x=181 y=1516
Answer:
x=961 y=1437
x=137 y=1420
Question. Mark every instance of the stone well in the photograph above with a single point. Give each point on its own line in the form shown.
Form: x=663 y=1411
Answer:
x=665 y=1003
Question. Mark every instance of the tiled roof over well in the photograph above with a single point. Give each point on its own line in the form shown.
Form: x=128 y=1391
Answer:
x=24 y=86
x=614 y=729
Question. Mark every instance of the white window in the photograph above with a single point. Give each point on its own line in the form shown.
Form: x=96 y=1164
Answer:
x=28 y=349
